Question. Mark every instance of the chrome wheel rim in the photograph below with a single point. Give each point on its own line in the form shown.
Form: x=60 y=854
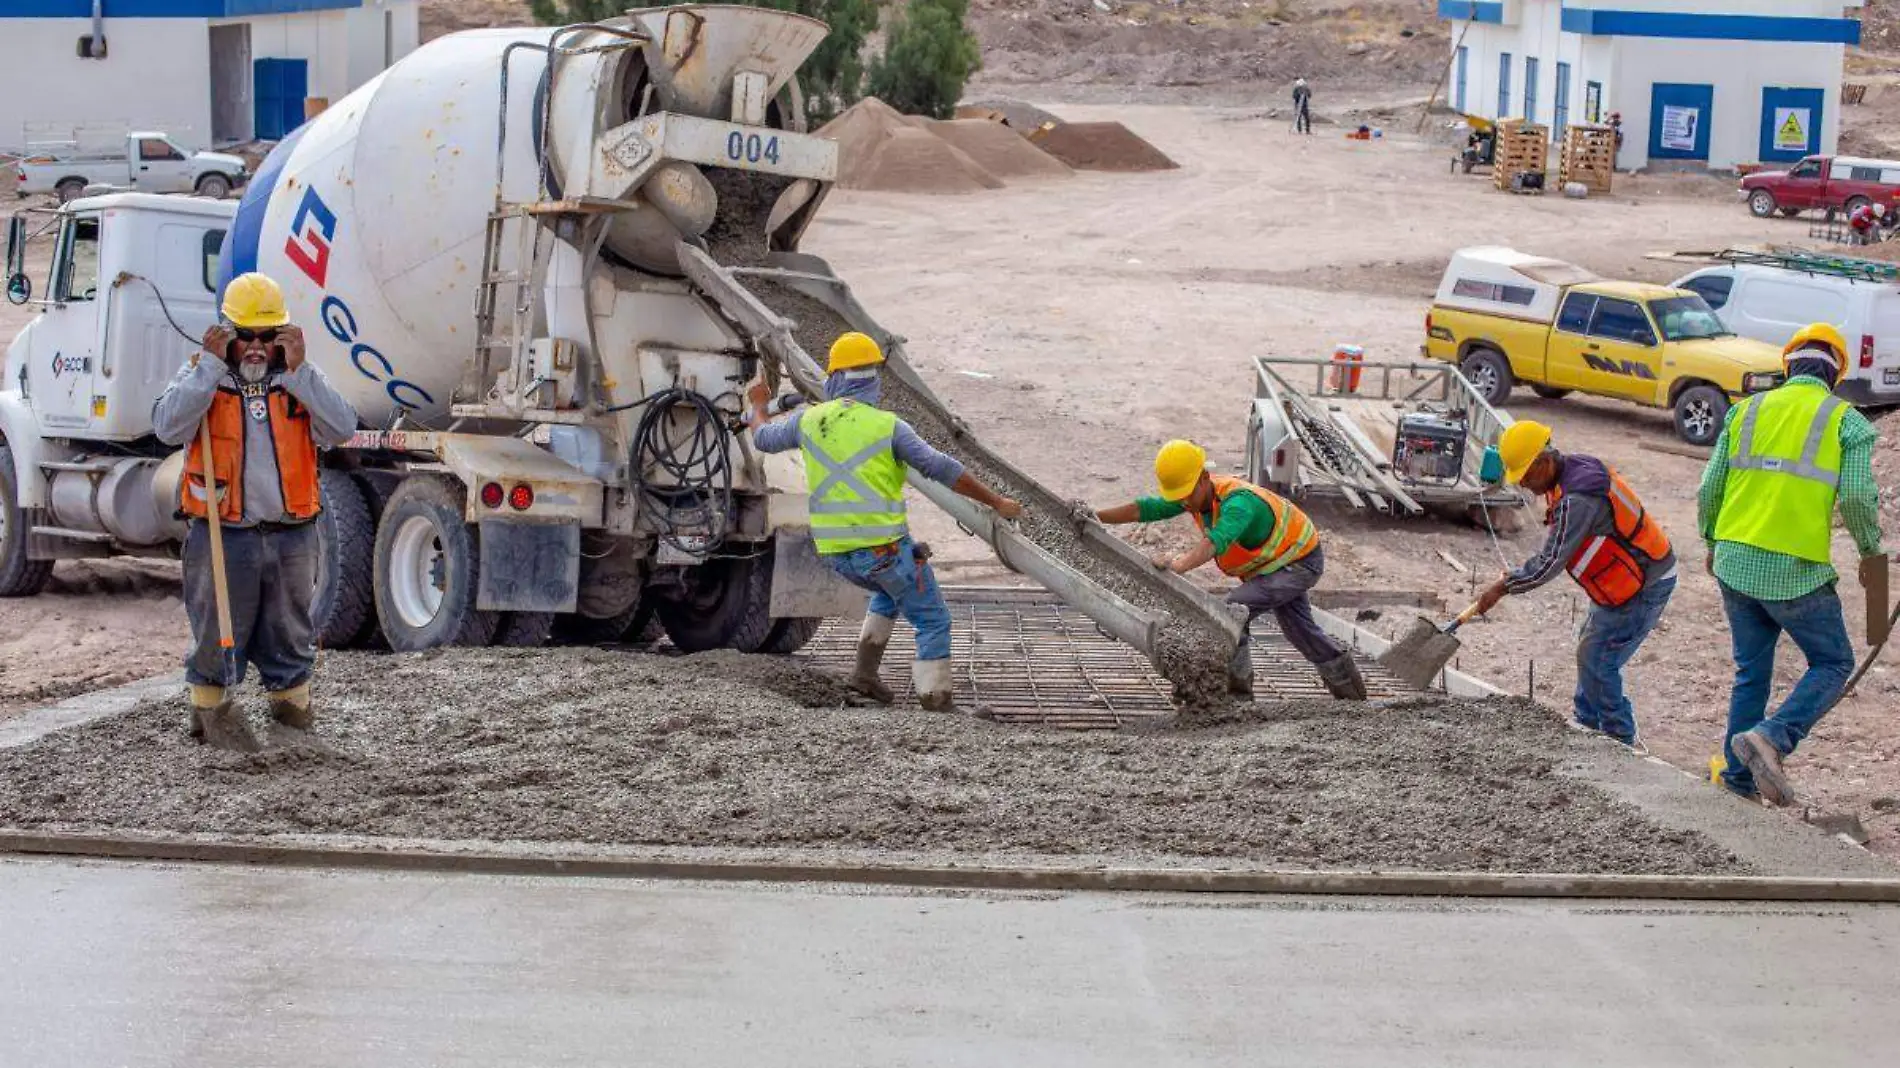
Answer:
x=417 y=572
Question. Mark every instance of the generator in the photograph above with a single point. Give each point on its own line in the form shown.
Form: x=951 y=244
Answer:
x=1429 y=448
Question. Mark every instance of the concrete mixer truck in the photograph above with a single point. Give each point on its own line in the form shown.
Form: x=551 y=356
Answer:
x=543 y=264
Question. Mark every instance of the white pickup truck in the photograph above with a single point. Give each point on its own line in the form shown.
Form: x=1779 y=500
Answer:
x=151 y=163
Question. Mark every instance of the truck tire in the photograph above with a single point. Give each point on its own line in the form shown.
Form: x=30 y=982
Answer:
x=1761 y=204
x=524 y=630
x=1700 y=410
x=1490 y=374
x=215 y=186
x=726 y=604
x=1550 y=392
x=790 y=635
x=344 y=608
x=19 y=576
x=576 y=628
x=428 y=563
x=70 y=189
x=1854 y=204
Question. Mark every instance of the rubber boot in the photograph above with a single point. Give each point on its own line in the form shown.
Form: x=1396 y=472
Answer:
x=220 y=724
x=1342 y=678
x=873 y=639
x=203 y=699
x=932 y=679
x=292 y=707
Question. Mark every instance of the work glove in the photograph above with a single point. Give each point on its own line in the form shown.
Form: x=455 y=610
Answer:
x=1080 y=514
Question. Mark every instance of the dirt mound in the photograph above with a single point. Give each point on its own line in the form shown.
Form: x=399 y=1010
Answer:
x=1101 y=146
x=441 y=17
x=880 y=149
x=1018 y=116
x=1000 y=150
x=588 y=745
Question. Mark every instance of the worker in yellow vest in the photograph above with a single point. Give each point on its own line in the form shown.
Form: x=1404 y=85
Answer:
x=1256 y=536
x=856 y=456
x=1785 y=462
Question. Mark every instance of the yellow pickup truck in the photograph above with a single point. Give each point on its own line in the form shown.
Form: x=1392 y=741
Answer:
x=1507 y=318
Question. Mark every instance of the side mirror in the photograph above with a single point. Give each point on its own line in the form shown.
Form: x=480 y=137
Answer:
x=19 y=289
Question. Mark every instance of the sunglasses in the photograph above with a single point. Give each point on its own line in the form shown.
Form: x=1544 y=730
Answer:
x=243 y=334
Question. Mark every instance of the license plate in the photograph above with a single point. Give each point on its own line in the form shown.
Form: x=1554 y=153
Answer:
x=1890 y=377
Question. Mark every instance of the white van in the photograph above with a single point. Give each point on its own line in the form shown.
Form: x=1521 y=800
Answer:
x=1769 y=296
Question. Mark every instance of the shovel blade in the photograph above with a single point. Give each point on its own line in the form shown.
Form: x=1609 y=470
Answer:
x=1418 y=657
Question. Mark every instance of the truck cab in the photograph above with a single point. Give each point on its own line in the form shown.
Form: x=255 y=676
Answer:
x=1507 y=318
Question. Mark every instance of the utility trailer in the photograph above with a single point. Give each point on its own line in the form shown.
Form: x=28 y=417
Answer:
x=1400 y=439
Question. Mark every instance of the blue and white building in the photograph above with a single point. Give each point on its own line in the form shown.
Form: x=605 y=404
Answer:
x=1699 y=83
x=205 y=71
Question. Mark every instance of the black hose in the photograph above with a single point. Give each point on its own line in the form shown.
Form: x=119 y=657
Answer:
x=693 y=494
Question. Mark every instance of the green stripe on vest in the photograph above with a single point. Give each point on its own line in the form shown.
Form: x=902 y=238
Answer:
x=856 y=482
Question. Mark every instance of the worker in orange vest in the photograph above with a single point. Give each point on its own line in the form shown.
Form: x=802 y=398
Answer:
x=269 y=410
x=1254 y=535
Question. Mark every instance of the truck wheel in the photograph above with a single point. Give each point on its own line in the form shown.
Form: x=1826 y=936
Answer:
x=70 y=189
x=726 y=604
x=1761 y=204
x=524 y=630
x=1699 y=414
x=428 y=564
x=1490 y=374
x=215 y=186
x=1550 y=392
x=19 y=576
x=790 y=635
x=344 y=608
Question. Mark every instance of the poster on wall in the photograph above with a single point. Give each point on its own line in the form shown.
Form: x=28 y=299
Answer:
x=1679 y=127
x=1791 y=129
x=1592 y=102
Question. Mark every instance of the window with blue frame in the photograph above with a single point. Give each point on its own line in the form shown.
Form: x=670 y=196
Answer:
x=1504 y=86
x=1530 y=88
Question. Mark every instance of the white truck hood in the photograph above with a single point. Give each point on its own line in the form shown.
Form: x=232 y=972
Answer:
x=220 y=160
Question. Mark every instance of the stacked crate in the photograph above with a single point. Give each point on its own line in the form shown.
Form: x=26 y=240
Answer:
x=1589 y=157
x=1522 y=146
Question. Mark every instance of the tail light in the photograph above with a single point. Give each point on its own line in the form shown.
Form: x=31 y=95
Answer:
x=492 y=495
x=1279 y=459
x=1866 y=350
x=521 y=498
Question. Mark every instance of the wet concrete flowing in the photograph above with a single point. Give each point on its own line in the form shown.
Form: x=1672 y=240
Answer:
x=612 y=746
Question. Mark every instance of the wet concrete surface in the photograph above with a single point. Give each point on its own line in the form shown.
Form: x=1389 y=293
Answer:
x=210 y=966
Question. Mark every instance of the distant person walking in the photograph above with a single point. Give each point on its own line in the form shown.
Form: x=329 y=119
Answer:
x=1302 y=107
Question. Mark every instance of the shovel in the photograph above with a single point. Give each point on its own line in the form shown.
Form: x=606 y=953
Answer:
x=224 y=726
x=1418 y=657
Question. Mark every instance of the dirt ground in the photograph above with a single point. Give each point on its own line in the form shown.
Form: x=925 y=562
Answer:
x=584 y=745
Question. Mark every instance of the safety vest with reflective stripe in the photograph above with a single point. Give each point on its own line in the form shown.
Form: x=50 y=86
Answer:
x=296 y=454
x=1293 y=535
x=1613 y=568
x=1784 y=465
x=856 y=482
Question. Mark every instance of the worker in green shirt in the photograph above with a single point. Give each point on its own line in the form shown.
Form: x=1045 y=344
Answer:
x=1254 y=535
x=1785 y=461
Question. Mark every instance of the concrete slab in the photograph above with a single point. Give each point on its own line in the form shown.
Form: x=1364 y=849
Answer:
x=31 y=726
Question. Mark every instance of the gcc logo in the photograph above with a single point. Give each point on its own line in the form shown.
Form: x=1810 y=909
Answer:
x=311 y=230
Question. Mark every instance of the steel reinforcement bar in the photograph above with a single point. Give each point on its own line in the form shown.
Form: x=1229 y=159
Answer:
x=1737 y=888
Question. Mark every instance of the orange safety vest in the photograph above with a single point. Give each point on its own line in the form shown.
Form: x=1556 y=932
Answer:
x=296 y=457
x=1294 y=535
x=1611 y=568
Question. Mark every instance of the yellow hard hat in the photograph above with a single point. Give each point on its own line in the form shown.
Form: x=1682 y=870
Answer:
x=1519 y=446
x=254 y=302
x=853 y=350
x=1817 y=333
x=1178 y=467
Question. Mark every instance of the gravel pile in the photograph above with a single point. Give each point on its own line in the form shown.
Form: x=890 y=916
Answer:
x=599 y=746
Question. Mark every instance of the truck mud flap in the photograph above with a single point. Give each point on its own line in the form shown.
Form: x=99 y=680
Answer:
x=804 y=586
x=529 y=567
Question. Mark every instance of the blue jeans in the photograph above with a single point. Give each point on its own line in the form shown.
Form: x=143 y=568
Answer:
x=1609 y=640
x=899 y=584
x=1819 y=629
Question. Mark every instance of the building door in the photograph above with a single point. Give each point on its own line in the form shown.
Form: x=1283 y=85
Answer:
x=231 y=83
x=1790 y=124
x=280 y=86
x=1679 y=117
x=1560 y=105
x=1458 y=90
x=1504 y=86
x=1530 y=88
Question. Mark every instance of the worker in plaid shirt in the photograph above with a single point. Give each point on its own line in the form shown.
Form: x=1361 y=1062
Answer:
x=1785 y=462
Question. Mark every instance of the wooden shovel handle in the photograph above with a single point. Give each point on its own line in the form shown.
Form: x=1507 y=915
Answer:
x=219 y=585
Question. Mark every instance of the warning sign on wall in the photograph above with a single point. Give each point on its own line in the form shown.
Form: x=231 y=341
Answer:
x=1791 y=129
x=1679 y=127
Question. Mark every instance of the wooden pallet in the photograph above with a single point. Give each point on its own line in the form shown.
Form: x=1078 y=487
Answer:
x=1589 y=157
x=1521 y=146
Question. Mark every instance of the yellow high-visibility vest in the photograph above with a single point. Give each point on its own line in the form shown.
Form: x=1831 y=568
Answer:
x=1784 y=459
x=856 y=482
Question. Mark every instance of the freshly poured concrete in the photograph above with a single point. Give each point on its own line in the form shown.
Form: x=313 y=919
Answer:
x=131 y=964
